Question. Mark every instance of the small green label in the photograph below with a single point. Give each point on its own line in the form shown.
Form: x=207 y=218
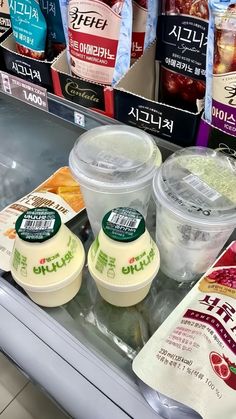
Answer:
x=38 y=224
x=19 y=262
x=233 y=369
x=123 y=224
x=94 y=248
x=106 y=264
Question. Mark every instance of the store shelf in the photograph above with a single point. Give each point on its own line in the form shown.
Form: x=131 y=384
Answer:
x=77 y=361
x=88 y=119
x=73 y=353
x=66 y=110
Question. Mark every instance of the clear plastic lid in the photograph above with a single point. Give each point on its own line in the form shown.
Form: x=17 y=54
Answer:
x=114 y=156
x=199 y=185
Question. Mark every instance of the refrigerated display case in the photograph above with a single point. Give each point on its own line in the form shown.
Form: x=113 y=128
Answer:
x=79 y=353
x=68 y=356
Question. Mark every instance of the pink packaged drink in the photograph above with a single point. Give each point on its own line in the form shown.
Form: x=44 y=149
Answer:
x=191 y=358
x=100 y=39
x=144 y=26
x=221 y=66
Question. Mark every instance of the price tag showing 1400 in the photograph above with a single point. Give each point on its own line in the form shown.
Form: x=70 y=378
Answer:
x=24 y=90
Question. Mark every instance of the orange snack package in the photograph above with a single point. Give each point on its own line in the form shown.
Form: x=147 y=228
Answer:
x=60 y=192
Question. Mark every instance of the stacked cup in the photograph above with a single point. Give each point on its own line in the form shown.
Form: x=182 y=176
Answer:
x=115 y=166
x=195 y=195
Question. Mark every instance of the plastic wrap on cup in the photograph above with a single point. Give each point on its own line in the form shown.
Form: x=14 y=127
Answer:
x=195 y=195
x=115 y=166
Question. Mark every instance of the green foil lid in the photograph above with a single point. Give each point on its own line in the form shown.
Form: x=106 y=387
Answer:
x=123 y=224
x=38 y=224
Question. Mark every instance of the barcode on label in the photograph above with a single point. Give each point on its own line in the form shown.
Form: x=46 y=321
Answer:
x=37 y=224
x=202 y=187
x=123 y=221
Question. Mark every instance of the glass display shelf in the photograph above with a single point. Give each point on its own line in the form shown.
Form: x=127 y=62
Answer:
x=85 y=344
x=33 y=144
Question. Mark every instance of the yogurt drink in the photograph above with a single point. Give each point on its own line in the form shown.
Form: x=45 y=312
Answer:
x=47 y=258
x=123 y=260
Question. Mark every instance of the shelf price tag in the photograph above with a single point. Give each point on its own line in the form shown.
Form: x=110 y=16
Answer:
x=79 y=119
x=24 y=90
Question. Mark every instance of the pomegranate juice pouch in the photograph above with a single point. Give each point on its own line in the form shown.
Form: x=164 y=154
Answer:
x=220 y=99
x=181 y=51
x=29 y=28
x=191 y=358
x=52 y=14
x=144 y=26
x=100 y=39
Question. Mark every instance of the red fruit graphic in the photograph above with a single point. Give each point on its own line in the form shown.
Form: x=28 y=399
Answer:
x=224 y=276
x=231 y=381
x=224 y=368
x=228 y=258
x=219 y=365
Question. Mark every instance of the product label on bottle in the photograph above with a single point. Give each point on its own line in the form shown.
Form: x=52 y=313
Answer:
x=127 y=268
x=94 y=30
x=46 y=269
x=38 y=224
x=123 y=224
x=183 y=45
x=224 y=102
x=139 y=28
x=193 y=352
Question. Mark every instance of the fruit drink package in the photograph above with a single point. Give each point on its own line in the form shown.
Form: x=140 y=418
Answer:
x=29 y=28
x=221 y=66
x=52 y=13
x=181 y=50
x=100 y=39
x=64 y=4
x=191 y=358
x=145 y=14
x=60 y=192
